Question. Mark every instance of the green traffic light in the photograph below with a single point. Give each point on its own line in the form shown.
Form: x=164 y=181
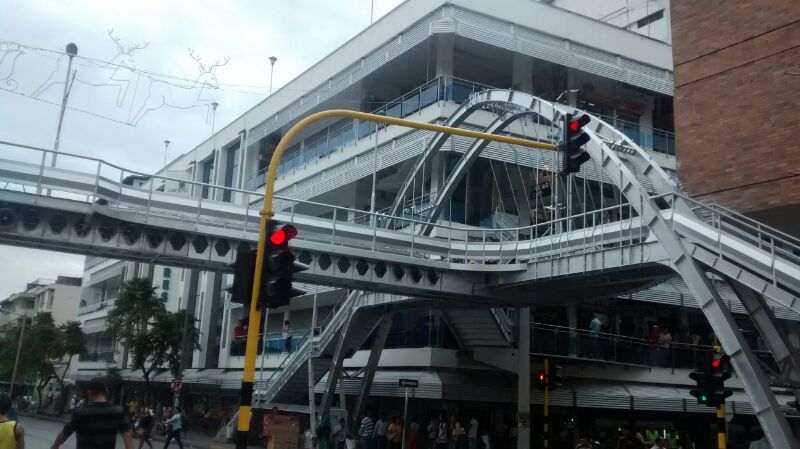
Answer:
x=703 y=398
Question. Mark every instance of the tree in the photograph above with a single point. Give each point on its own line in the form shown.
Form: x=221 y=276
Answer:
x=154 y=337
x=46 y=346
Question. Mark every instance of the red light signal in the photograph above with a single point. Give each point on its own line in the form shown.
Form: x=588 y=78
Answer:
x=716 y=363
x=283 y=235
x=574 y=138
x=541 y=376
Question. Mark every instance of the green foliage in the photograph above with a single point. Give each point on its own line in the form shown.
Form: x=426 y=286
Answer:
x=140 y=322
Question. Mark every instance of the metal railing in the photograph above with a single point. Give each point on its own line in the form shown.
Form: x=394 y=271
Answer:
x=730 y=228
x=548 y=339
x=443 y=88
x=94 y=307
x=93 y=181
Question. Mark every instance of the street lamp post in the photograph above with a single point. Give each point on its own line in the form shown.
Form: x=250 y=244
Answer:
x=166 y=147
x=19 y=349
x=272 y=60
x=72 y=51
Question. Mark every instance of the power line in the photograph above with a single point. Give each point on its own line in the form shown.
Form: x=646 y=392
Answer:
x=68 y=107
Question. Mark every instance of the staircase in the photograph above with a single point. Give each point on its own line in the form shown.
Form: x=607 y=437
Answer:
x=289 y=382
x=481 y=327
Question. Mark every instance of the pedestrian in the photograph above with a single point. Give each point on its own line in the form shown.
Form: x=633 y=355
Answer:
x=339 y=435
x=366 y=431
x=660 y=444
x=12 y=434
x=664 y=343
x=594 y=332
x=414 y=435
x=459 y=435
x=381 y=429
x=394 y=433
x=651 y=434
x=143 y=427
x=174 y=428
x=442 y=436
x=96 y=424
x=433 y=431
x=287 y=336
x=133 y=406
x=472 y=434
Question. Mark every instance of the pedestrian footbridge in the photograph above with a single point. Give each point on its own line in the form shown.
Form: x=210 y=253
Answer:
x=89 y=206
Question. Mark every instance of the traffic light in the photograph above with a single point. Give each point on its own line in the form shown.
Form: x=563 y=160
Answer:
x=241 y=289
x=573 y=155
x=279 y=266
x=541 y=380
x=711 y=389
x=720 y=372
x=554 y=380
x=703 y=389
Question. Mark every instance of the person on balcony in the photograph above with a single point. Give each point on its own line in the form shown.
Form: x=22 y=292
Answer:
x=594 y=333
x=239 y=336
x=287 y=335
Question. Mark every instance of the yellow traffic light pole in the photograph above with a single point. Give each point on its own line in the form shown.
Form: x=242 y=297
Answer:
x=248 y=376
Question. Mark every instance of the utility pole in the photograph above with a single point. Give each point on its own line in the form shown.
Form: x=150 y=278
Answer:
x=72 y=51
x=19 y=349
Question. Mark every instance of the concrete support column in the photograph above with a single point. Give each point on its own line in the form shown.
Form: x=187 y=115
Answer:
x=572 y=323
x=572 y=85
x=524 y=379
x=445 y=49
x=522 y=73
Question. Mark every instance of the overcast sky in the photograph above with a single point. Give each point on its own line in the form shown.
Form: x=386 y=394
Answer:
x=107 y=122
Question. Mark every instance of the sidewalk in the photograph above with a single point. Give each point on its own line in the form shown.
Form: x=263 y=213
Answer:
x=191 y=440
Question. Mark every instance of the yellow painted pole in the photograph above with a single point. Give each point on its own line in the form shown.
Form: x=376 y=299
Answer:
x=546 y=411
x=248 y=375
x=722 y=424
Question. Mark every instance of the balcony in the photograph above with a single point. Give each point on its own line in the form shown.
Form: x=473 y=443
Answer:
x=96 y=306
x=438 y=89
x=104 y=356
x=275 y=344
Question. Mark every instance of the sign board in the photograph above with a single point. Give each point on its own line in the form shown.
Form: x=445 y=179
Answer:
x=283 y=431
x=176 y=385
x=409 y=383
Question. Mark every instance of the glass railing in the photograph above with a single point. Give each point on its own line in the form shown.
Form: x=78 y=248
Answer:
x=276 y=343
x=438 y=89
x=652 y=139
x=605 y=347
x=94 y=307
x=104 y=356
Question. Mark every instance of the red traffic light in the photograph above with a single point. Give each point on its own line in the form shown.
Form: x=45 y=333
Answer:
x=716 y=363
x=578 y=123
x=541 y=376
x=283 y=235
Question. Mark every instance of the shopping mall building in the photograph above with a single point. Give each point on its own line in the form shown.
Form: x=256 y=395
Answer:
x=424 y=61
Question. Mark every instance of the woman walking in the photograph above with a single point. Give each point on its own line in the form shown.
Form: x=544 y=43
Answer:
x=143 y=427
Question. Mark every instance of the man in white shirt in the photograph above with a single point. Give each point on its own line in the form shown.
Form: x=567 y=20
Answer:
x=381 y=429
x=472 y=434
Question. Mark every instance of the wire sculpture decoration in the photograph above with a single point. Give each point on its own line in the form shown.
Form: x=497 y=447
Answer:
x=135 y=92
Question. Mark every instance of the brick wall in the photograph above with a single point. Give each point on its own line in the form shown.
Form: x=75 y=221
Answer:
x=737 y=113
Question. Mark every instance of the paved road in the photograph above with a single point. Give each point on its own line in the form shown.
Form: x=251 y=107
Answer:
x=40 y=434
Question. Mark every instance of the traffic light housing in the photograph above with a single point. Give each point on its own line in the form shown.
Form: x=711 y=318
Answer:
x=541 y=380
x=278 y=267
x=710 y=390
x=241 y=289
x=554 y=379
x=572 y=153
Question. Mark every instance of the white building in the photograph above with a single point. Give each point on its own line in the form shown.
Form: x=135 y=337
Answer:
x=58 y=297
x=422 y=61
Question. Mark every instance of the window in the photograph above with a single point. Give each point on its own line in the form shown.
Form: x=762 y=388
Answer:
x=207 y=174
x=167 y=273
x=231 y=171
x=180 y=300
x=647 y=20
x=165 y=284
x=164 y=296
x=183 y=273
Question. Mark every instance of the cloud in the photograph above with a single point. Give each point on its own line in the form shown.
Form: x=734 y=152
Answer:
x=299 y=33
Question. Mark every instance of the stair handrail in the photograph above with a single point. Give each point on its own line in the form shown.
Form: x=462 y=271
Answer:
x=757 y=229
x=290 y=361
